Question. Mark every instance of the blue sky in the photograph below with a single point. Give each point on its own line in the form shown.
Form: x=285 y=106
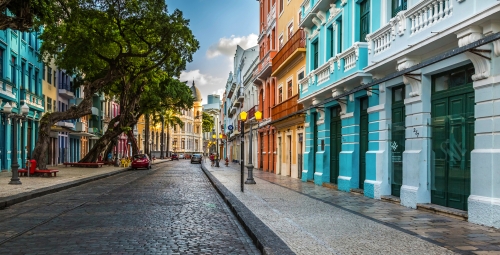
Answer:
x=219 y=25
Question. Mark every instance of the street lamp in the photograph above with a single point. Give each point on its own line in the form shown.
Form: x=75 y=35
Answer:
x=7 y=109
x=243 y=117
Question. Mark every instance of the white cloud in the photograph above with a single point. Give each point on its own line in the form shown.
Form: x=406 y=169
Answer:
x=227 y=46
x=206 y=83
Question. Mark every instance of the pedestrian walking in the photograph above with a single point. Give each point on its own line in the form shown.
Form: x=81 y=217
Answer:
x=211 y=159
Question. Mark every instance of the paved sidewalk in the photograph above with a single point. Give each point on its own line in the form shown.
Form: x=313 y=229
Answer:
x=312 y=219
x=66 y=177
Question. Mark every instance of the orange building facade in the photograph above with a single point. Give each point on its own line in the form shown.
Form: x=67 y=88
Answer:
x=266 y=84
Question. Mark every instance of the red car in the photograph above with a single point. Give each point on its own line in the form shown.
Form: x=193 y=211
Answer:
x=141 y=161
x=175 y=157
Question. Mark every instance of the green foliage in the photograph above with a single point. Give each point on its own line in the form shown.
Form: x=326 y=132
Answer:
x=207 y=122
x=134 y=42
x=23 y=15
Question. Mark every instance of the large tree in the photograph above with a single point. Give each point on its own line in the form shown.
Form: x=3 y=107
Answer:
x=121 y=48
x=23 y=15
x=168 y=93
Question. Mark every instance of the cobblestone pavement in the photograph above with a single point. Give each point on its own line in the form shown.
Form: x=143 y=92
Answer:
x=316 y=220
x=65 y=175
x=172 y=209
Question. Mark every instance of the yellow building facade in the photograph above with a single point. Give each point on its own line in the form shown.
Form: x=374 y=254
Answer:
x=288 y=67
x=49 y=88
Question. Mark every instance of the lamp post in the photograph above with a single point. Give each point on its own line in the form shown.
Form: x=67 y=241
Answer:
x=243 y=116
x=7 y=109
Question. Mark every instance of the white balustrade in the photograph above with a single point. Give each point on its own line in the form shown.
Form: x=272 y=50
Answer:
x=382 y=40
x=322 y=73
x=306 y=5
x=350 y=60
x=427 y=13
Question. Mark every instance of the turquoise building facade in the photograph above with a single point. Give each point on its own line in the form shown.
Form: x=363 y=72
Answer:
x=20 y=83
x=425 y=137
x=337 y=53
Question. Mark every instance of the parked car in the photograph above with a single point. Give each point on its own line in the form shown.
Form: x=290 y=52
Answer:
x=187 y=156
x=196 y=158
x=141 y=161
x=181 y=156
x=174 y=157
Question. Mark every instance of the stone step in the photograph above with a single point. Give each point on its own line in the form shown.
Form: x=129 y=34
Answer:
x=391 y=199
x=442 y=210
x=330 y=185
x=358 y=191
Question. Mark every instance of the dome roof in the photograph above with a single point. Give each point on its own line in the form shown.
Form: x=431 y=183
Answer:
x=196 y=93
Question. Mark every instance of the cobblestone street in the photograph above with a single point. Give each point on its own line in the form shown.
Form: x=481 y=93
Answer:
x=172 y=209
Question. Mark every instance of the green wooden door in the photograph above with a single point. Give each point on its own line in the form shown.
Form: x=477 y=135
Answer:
x=314 y=141
x=452 y=137
x=397 y=139
x=335 y=143
x=363 y=141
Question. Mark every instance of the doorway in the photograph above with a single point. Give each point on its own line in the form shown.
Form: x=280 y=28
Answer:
x=452 y=123
x=397 y=144
x=280 y=155
x=363 y=140
x=289 y=155
x=335 y=143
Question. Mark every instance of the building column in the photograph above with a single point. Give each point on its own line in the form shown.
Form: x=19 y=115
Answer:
x=349 y=156
x=377 y=168
x=307 y=170
x=417 y=154
x=484 y=199
x=321 y=169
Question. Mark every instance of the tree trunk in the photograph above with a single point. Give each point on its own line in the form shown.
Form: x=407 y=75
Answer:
x=162 y=144
x=168 y=138
x=133 y=142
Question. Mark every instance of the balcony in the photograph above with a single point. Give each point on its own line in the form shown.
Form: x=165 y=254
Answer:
x=65 y=92
x=264 y=67
x=6 y=89
x=65 y=123
x=75 y=101
x=294 y=47
x=271 y=16
x=32 y=100
x=251 y=112
x=425 y=22
x=80 y=127
x=286 y=108
x=315 y=9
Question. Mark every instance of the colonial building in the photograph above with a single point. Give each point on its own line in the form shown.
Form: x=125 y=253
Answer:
x=336 y=131
x=188 y=139
x=243 y=60
x=288 y=67
x=20 y=83
x=49 y=89
x=266 y=84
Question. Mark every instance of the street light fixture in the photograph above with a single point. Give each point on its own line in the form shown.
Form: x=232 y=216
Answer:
x=243 y=117
x=214 y=136
x=7 y=110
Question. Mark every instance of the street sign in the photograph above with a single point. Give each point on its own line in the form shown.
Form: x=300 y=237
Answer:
x=230 y=127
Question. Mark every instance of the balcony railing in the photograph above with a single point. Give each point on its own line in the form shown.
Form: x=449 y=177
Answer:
x=297 y=41
x=264 y=62
x=271 y=15
x=286 y=108
x=251 y=112
x=7 y=89
x=419 y=17
x=32 y=99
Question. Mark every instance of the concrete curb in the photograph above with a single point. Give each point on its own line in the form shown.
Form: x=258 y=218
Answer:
x=11 y=200
x=263 y=237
